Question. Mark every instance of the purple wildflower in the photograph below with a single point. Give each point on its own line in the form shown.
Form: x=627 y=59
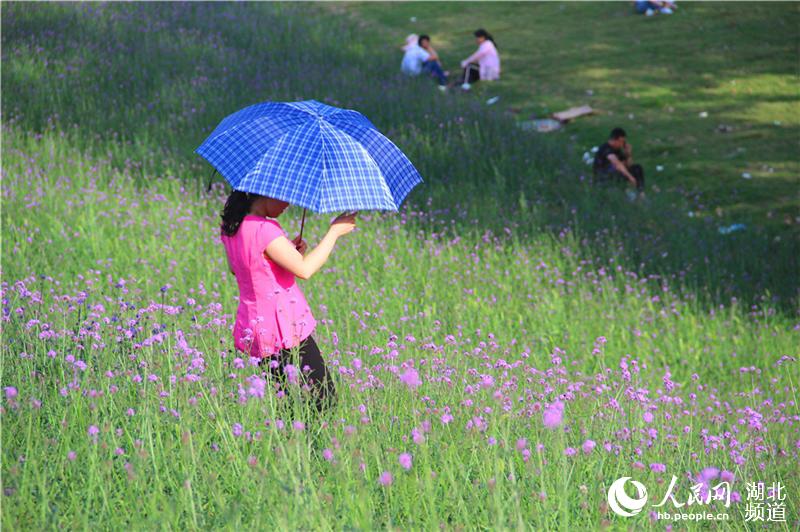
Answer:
x=405 y=461
x=553 y=415
x=588 y=446
x=410 y=378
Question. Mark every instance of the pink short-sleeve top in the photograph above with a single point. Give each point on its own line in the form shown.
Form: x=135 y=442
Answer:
x=273 y=313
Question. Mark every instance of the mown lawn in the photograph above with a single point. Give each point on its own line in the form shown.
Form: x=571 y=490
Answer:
x=737 y=62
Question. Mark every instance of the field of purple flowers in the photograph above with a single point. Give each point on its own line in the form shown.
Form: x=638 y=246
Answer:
x=501 y=359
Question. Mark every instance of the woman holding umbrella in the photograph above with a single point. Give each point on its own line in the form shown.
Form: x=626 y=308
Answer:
x=273 y=316
x=315 y=156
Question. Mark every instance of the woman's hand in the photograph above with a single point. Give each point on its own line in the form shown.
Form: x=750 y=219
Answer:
x=300 y=245
x=290 y=254
x=343 y=224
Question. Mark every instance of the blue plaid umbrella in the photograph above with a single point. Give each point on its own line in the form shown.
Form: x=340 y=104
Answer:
x=310 y=154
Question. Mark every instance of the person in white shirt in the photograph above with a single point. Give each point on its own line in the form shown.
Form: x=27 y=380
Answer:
x=413 y=57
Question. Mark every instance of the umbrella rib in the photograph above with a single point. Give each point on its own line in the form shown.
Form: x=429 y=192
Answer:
x=385 y=186
x=234 y=128
x=318 y=195
x=239 y=122
x=261 y=158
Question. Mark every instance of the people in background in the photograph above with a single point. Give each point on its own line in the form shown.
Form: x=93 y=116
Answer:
x=614 y=161
x=484 y=64
x=650 y=8
x=416 y=60
x=433 y=65
x=413 y=56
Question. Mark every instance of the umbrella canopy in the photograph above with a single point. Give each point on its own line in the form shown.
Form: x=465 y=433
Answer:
x=319 y=157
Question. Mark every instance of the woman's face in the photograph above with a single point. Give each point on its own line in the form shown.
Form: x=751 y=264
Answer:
x=480 y=40
x=270 y=207
x=275 y=207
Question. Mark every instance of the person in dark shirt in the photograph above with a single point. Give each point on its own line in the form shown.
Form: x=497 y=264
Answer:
x=614 y=161
x=433 y=65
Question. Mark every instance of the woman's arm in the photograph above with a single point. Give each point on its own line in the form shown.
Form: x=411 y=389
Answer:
x=474 y=58
x=285 y=254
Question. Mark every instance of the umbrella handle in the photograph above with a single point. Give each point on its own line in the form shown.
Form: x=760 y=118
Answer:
x=302 y=224
x=211 y=180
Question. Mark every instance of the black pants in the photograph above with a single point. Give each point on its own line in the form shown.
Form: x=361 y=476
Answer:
x=318 y=378
x=472 y=73
x=635 y=170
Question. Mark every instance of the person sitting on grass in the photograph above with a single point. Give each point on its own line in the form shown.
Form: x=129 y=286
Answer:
x=416 y=59
x=413 y=56
x=484 y=64
x=273 y=320
x=433 y=65
x=650 y=8
x=614 y=161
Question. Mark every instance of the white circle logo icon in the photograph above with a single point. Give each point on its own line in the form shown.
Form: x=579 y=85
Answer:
x=619 y=501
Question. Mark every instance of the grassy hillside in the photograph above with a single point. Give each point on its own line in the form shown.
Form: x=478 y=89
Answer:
x=148 y=98
x=656 y=76
x=525 y=338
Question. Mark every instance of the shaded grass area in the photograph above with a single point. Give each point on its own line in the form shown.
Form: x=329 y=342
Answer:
x=116 y=83
x=654 y=76
x=506 y=283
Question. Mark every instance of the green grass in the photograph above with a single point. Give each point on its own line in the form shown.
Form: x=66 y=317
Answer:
x=503 y=265
x=158 y=102
x=737 y=62
x=190 y=472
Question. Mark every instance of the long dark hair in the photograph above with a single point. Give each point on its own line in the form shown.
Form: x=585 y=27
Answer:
x=237 y=206
x=486 y=35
